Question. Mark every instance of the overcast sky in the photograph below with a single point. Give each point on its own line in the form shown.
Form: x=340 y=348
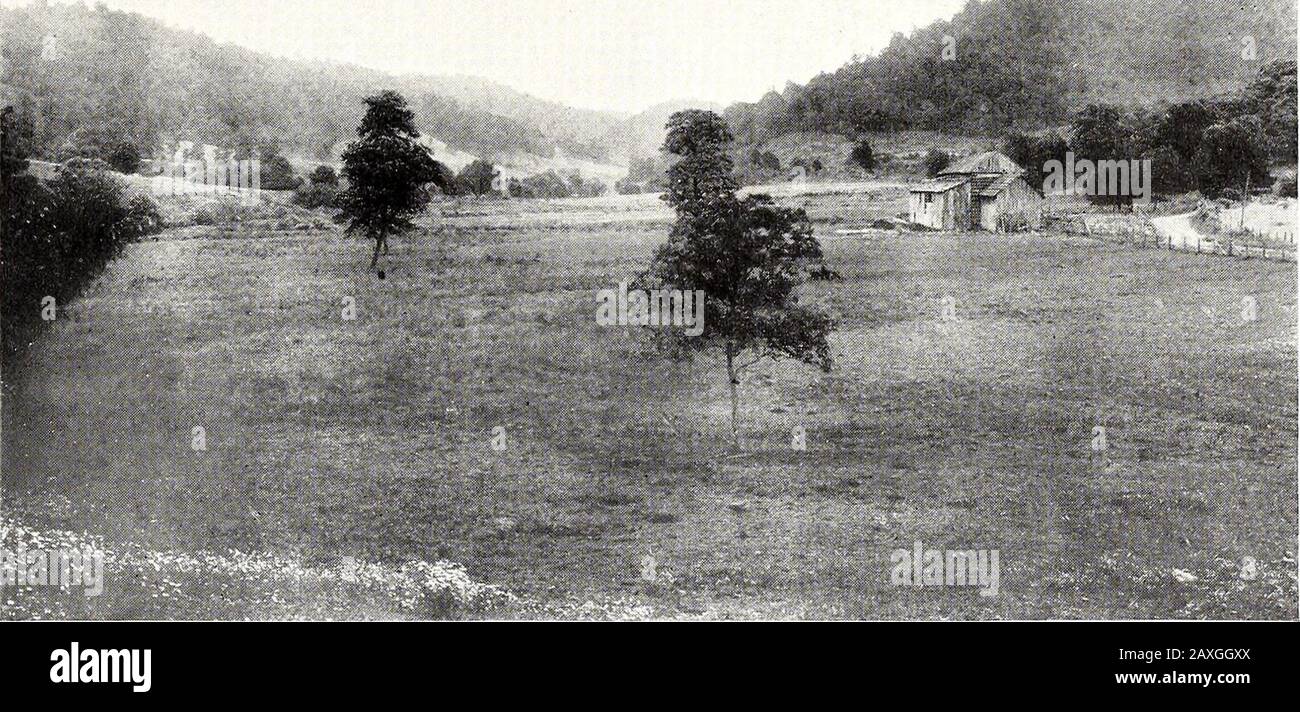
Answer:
x=623 y=55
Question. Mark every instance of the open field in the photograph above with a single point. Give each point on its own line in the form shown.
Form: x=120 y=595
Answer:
x=372 y=438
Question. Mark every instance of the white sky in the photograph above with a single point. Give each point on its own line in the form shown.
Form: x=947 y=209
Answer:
x=623 y=55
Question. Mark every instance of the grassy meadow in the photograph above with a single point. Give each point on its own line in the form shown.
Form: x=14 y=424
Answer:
x=372 y=437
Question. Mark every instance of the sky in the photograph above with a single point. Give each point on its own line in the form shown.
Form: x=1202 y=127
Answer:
x=619 y=55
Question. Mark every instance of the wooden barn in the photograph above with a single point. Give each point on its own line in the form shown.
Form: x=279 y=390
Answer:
x=982 y=191
x=942 y=203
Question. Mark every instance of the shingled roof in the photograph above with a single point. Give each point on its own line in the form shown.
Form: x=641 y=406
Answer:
x=937 y=185
x=987 y=162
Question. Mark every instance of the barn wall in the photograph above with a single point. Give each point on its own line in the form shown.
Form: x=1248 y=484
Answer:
x=1017 y=204
x=948 y=211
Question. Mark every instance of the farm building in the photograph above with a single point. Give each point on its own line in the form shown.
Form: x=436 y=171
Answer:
x=982 y=191
x=942 y=203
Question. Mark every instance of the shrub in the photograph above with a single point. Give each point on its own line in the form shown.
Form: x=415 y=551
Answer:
x=203 y=216
x=314 y=196
x=58 y=238
x=1231 y=155
x=277 y=173
x=580 y=187
x=864 y=156
x=935 y=161
x=125 y=158
x=477 y=177
x=324 y=175
x=542 y=185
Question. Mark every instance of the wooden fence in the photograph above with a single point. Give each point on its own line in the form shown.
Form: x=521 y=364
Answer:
x=1278 y=245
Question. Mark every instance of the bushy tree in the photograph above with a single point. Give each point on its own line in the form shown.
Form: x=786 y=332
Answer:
x=1233 y=155
x=580 y=187
x=1101 y=133
x=1170 y=174
x=387 y=170
x=548 y=184
x=1272 y=97
x=124 y=158
x=477 y=177
x=57 y=236
x=314 y=196
x=277 y=173
x=863 y=156
x=324 y=175
x=935 y=161
x=747 y=255
x=1180 y=127
x=1033 y=152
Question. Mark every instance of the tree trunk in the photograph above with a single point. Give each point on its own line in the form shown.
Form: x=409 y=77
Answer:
x=734 y=383
x=1245 y=198
x=374 y=259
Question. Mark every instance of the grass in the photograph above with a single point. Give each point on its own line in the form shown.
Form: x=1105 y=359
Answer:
x=372 y=438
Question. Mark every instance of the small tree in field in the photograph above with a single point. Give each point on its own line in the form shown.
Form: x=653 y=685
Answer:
x=477 y=177
x=387 y=171
x=864 y=156
x=747 y=255
x=324 y=175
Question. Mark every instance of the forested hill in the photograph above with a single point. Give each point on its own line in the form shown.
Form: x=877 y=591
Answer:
x=1030 y=63
x=100 y=76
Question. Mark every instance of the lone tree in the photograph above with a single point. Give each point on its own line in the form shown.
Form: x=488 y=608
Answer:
x=477 y=177
x=864 y=156
x=747 y=255
x=386 y=171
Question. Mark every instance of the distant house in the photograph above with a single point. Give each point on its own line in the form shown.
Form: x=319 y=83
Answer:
x=982 y=191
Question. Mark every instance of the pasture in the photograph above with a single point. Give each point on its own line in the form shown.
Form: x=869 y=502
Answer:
x=372 y=437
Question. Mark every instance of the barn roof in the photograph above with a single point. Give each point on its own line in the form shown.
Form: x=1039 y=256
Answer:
x=999 y=184
x=937 y=185
x=987 y=162
x=980 y=182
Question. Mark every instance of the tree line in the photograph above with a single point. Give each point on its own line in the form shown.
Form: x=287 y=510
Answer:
x=1220 y=147
x=1001 y=65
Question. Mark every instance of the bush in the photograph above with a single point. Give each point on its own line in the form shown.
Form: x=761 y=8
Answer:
x=58 y=238
x=935 y=161
x=1231 y=154
x=203 y=216
x=477 y=177
x=277 y=173
x=586 y=188
x=315 y=195
x=125 y=158
x=324 y=175
x=864 y=156
x=1286 y=187
x=627 y=186
x=542 y=185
